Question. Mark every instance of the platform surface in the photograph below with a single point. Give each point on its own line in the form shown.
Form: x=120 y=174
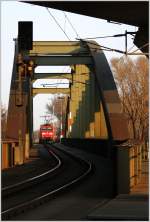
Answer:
x=133 y=206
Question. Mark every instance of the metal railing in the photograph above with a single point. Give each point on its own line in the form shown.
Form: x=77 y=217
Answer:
x=137 y=154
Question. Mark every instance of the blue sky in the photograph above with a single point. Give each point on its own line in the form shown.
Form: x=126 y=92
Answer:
x=44 y=28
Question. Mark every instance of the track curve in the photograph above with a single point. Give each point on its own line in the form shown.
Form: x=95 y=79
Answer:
x=18 y=186
x=21 y=207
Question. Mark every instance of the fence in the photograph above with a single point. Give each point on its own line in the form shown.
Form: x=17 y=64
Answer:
x=13 y=152
x=137 y=154
x=130 y=157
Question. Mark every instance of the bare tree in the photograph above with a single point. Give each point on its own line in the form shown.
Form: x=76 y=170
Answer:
x=131 y=77
x=3 y=121
x=36 y=136
x=57 y=107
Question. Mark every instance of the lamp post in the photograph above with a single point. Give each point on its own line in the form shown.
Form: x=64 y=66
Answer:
x=54 y=131
x=52 y=117
x=61 y=121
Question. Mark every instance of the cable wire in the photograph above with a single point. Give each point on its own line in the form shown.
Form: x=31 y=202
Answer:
x=65 y=24
x=102 y=47
x=111 y=36
x=58 y=24
x=130 y=49
x=107 y=36
x=143 y=46
x=71 y=25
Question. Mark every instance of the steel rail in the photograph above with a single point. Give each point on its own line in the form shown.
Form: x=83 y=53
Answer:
x=35 y=178
x=41 y=199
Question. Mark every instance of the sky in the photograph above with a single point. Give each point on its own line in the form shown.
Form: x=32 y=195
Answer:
x=46 y=29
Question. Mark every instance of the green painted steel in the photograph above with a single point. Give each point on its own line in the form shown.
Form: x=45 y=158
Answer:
x=52 y=76
x=36 y=91
x=115 y=119
x=61 y=60
x=85 y=106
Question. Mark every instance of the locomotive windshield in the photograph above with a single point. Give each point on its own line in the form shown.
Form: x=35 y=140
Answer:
x=46 y=128
x=47 y=133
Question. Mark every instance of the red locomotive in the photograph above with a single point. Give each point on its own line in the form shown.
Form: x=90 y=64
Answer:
x=47 y=133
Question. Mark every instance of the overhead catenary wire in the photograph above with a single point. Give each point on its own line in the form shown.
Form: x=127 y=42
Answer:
x=111 y=36
x=66 y=18
x=143 y=46
x=58 y=23
x=85 y=39
x=127 y=52
x=75 y=81
x=130 y=48
x=57 y=83
x=71 y=25
x=113 y=50
x=102 y=47
x=65 y=24
x=107 y=36
x=124 y=56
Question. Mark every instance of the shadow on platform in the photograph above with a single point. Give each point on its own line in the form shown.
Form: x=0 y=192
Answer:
x=127 y=207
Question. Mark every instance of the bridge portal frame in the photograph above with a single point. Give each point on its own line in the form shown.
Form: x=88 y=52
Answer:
x=79 y=55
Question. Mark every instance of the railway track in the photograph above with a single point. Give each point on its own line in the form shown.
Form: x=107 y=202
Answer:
x=33 y=180
x=70 y=170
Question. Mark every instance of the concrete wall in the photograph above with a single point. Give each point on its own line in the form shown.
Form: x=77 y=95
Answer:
x=135 y=157
x=11 y=154
x=129 y=167
x=123 y=170
x=97 y=146
x=5 y=158
x=126 y=160
x=119 y=160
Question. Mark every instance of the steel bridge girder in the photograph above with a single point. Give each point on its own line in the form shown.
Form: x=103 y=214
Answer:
x=57 y=48
x=36 y=91
x=61 y=60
